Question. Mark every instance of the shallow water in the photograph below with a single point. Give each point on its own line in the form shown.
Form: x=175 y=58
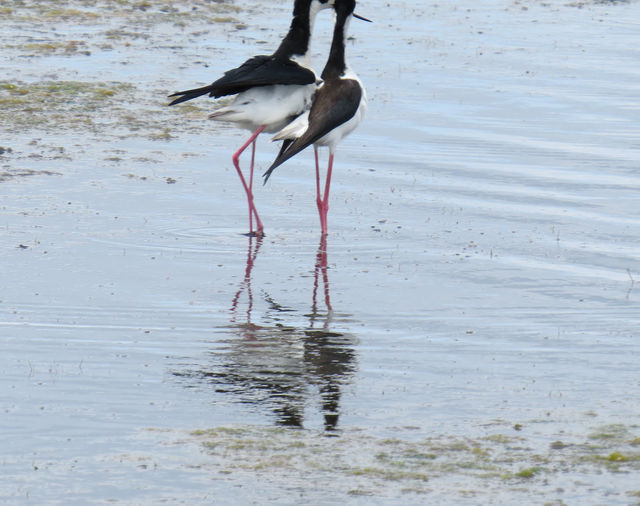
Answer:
x=470 y=337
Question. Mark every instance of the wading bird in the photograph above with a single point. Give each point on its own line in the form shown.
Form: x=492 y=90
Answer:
x=337 y=108
x=270 y=90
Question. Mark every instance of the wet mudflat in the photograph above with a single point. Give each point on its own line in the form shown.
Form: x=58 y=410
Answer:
x=467 y=334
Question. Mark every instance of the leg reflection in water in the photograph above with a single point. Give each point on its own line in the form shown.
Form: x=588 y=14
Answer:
x=322 y=356
x=275 y=357
x=252 y=253
x=320 y=271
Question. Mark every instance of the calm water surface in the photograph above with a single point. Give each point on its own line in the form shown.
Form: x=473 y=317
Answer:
x=467 y=334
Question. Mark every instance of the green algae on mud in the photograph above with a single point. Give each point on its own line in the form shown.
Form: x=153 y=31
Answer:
x=145 y=12
x=51 y=47
x=107 y=108
x=363 y=464
x=60 y=104
x=11 y=173
x=529 y=472
x=112 y=109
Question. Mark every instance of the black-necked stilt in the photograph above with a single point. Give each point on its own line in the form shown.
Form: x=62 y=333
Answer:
x=270 y=90
x=337 y=108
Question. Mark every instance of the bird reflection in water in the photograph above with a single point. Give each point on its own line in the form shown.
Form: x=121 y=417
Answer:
x=289 y=358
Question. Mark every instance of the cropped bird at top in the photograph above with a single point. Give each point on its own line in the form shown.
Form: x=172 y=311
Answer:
x=270 y=90
x=338 y=106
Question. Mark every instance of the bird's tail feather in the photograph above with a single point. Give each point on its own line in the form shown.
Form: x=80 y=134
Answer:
x=280 y=159
x=183 y=96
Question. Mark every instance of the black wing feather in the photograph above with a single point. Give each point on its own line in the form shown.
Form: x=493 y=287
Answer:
x=257 y=71
x=285 y=144
x=264 y=71
x=335 y=103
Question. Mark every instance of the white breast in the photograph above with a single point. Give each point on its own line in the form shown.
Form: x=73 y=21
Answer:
x=273 y=106
x=337 y=134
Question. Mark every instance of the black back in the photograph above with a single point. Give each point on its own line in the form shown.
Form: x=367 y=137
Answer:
x=266 y=70
x=261 y=71
x=335 y=103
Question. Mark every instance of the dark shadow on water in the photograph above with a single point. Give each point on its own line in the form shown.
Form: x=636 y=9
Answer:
x=279 y=364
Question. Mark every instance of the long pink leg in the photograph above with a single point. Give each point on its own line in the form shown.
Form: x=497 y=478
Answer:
x=318 y=198
x=255 y=211
x=323 y=201
x=248 y=187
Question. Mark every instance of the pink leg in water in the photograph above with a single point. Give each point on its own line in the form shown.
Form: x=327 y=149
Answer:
x=323 y=200
x=248 y=187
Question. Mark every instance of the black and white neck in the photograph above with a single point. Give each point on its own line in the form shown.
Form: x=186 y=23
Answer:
x=336 y=66
x=296 y=45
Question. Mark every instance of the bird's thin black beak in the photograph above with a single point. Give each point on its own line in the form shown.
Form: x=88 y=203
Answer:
x=357 y=16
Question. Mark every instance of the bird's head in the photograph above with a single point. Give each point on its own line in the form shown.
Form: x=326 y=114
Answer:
x=345 y=8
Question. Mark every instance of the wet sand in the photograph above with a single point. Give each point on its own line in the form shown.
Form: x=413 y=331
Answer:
x=467 y=334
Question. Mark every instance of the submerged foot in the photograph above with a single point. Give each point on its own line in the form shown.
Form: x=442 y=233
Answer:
x=255 y=233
